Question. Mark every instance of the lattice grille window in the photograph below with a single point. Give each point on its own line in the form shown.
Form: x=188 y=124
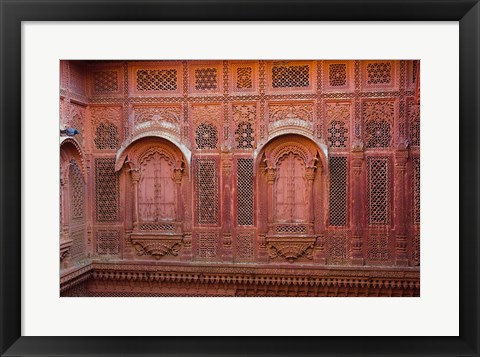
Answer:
x=164 y=227
x=290 y=76
x=105 y=81
x=338 y=248
x=379 y=191
x=244 y=78
x=106 y=136
x=338 y=191
x=414 y=71
x=206 y=191
x=206 y=78
x=244 y=136
x=245 y=246
x=416 y=191
x=337 y=74
x=379 y=73
x=207 y=244
x=107 y=190
x=416 y=250
x=291 y=228
x=414 y=118
x=77 y=191
x=108 y=242
x=77 y=83
x=378 y=248
x=337 y=134
x=245 y=192
x=77 y=251
x=157 y=79
x=378 y=134
x=206 y=136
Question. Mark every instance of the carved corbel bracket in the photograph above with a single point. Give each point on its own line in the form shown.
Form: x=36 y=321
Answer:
x=290 y=248
x=156 y=245
x=65 y=246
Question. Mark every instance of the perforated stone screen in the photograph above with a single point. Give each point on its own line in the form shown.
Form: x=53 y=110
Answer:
x=244 y=78
x=107 y=190
x=108 y=242
x=105 y=81
x=378 y=191
x=290 y=76
x=206 y=191
x=416 y=191
x=245 y=192
x=379 y=73
x=337 y=74
x=106 y=136
x=77 y=192
x=157 y=79
x=338 y=191
x=207 y=244
x=206 y=78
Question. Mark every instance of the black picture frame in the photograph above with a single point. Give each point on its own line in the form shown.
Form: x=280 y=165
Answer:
x=13 y=12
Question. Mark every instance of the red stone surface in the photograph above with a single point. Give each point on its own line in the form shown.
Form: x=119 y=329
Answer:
x=240 y=178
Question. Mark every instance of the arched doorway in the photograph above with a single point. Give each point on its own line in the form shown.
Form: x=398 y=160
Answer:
x=292 y=195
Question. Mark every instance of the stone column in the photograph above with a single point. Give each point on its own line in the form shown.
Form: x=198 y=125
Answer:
x=135 y=173
x=310 y=176
x=271 y=174
x=177 y=177
x=65 y=208
x=358 y=209
x=401 y=157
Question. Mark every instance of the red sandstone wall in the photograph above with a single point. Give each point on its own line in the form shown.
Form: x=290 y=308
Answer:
x=286 y=162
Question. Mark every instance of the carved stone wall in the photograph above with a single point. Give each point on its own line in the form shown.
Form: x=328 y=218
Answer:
x=266 y=163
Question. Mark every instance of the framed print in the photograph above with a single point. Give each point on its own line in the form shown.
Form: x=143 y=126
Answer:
x=254 y=180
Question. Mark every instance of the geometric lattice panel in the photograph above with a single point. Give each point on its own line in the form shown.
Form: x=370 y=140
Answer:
x=416 y=250
x=206 y=191
x=207 y=244
x=206 y=136
x=244 y=246
x=105 y=81
x=77 y=250
x=416 y=191
x=290 y=76
x=338 y=191
x=338 y=248
x=245 y=192
x=379 y=73
x=414 y=121
x=108 y=242
x=378 y=185
x=77 y=191
x=337 y=74
x=337 y=134
x=205 y=78
x=106 y=136
x=156 y=80
x=378 y=118
x=378 y=248
x=107 y=190
x=244 y=136
x=244 y=78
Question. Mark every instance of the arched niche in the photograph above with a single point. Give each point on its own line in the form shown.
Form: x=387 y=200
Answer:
x=73 y=180
x=157 y=175
x=291 y=185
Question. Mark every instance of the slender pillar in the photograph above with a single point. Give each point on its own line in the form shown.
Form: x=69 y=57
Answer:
x=358 y=207
x=310 y=176
x=271 y=174
x=135 y=173
x=401 y=258
x=177 y=176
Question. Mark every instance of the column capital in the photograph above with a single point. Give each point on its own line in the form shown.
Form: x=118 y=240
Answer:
x=177 y=175
x=271 y=173
x=135 y=173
